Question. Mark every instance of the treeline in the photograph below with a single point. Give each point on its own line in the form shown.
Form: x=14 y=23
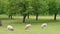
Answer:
x=33 y=7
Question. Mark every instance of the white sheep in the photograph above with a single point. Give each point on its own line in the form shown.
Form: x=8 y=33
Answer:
x=27 y=26
x=9 y=27
x=44 y=25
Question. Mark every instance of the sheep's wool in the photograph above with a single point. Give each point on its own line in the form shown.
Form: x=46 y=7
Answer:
x=44 y=25
x=27 y=26
x=9 y=27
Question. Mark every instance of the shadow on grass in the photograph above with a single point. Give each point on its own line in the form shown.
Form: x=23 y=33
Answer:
x=42 y=21
x=9 y=19
x=19 y=20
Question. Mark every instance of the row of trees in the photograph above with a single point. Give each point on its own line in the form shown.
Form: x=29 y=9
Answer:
x=33 y=7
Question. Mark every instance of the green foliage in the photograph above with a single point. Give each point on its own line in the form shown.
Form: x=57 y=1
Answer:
x=29 y=6
x=53 y=7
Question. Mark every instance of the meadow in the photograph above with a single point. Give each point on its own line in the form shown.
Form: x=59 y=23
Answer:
x=19 y=27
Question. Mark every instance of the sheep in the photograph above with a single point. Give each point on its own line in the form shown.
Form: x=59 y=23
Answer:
x=44 y=25
x=27 y=26
x=9 y=27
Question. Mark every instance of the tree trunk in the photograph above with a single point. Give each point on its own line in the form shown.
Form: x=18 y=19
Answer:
x=24 y=17
x=28 y=16
x=0 y=23
x=24 y=9
x=55 y=16
x=36 y=16
x=10 y=16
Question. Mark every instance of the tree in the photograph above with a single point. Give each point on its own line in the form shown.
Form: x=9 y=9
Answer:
x=53 y=8
x=26 y=8
x=39 y=7
x=12 y=8
x=2 y=7
x=35 y=5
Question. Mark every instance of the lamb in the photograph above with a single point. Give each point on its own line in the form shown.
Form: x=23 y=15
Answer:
x=9 y=27
x=27 y=26
x=44 y=25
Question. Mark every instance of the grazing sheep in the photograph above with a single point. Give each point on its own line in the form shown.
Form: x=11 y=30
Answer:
x=44 y=25
x=27 y=26
x=9 y=27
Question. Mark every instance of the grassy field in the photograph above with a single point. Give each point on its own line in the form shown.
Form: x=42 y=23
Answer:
x=16 y=22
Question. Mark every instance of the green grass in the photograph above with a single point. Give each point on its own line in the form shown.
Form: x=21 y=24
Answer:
x=16 y=22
